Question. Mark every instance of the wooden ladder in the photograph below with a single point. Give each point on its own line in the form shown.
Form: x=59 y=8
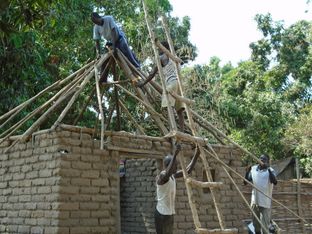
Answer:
x=189 y=182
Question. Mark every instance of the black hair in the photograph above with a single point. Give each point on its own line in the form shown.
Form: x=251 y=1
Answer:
x=167 y=160
x=166 y=45
x=265 y=155
x=95 y=15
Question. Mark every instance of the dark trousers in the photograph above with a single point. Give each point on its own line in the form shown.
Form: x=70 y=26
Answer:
x=122 y=44
x=163 y=223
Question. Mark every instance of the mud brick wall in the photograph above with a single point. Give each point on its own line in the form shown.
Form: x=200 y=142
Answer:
x=59 y=183
x=138 y=193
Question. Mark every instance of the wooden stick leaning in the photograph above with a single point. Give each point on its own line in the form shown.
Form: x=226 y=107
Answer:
x=122 y=105
x=72 y=100
x=26 y=135
x=160 y=69
x=149 y=108
x=116 y=95
x=209 y=125
x=99 y=98
x=236 y=173
x=190 y=119
x=84 y=106
x=15 y=127
x=121 y=62
x=54 y=85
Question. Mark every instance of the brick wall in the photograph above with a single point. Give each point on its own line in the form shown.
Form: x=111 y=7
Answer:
x=59 y=183
x=138 y=193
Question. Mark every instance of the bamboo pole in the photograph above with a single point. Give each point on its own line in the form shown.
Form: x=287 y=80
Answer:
x=167 y=52
x=130 y=75
x=116 y=99
x=72 y=100
x=160 y=69
x=110 y=114
x=299 y=194
x=99 y=98
x=56 y=84
x=30 y=130
x=15 y=127
x=149 y=108
x=236 y=173
x=209 y=125
x=84 y=106
x=131 y=117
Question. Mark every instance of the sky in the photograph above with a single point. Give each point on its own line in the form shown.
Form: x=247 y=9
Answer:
x=225 y=28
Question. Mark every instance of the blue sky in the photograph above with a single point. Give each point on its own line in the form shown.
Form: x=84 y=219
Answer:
x=225 y=28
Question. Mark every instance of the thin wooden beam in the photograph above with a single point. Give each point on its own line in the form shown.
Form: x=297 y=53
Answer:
x=130 y=75
x=99 y=98
x=122 y=105
x=51 y=87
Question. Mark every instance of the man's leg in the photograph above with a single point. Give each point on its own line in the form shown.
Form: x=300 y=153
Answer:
x=163 y=223
x=124 y=47
x=168 y=227
x=158 y=222
x=255 y=222
x=265 y=218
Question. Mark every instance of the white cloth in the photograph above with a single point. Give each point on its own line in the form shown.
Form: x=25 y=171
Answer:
x=261 y=179
x=166 y=197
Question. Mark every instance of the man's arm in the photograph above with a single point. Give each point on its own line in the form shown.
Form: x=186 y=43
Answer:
x=97 y=48
x=165 y=175
x=149 y=78
x=191 y=165
x=272 y=176
x=248 y=175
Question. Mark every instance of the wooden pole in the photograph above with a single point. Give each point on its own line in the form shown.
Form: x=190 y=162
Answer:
x=167 y=52
x=149 y=108
x=116 y=98
x=299 y=194
x=130 y=75
x=122 y=105
x=15 y=127
x=160 y=69
x=72 y=100
x=99 y=98
x=84 y=106
x=236 y=173
x=51 y=87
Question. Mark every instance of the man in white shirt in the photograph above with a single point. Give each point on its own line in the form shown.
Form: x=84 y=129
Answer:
x=263 y=177
x=107 y=28
x=166 y=191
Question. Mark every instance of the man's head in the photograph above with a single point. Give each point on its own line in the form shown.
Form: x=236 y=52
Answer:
x=265 y=159
x=167 y=161
x=96 y=18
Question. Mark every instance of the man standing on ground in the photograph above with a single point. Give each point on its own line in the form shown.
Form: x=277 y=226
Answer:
x=106 y=27
x=263 y=177
x=166 y=191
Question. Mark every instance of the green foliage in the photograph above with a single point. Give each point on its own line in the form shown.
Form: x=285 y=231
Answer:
x=298 y=138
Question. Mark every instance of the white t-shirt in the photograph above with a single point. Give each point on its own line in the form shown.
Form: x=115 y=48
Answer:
x=261 y=179
x=166 y=197
x=106 y=29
